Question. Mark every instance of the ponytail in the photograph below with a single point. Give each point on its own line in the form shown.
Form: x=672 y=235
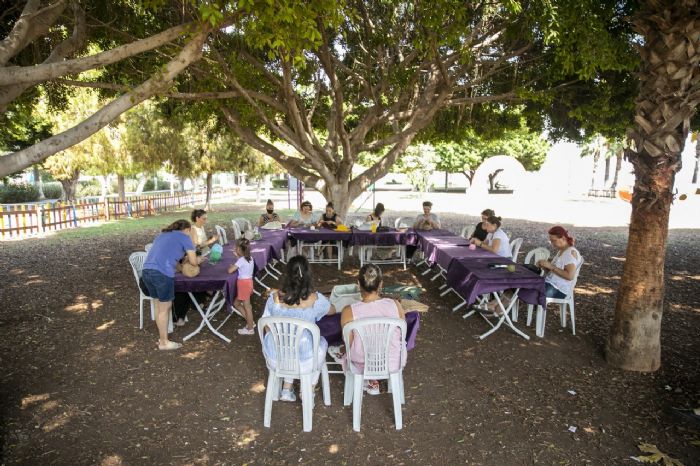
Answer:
x=244 y=245
x=177 y=225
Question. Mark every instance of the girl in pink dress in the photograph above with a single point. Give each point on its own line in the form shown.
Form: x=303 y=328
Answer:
x=373 y=305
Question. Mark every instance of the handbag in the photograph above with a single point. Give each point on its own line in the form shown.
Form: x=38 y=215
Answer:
x=187 y=269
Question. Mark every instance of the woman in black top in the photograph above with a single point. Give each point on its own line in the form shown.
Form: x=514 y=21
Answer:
x=479 y=232
x=330 y=218
x=376 y=216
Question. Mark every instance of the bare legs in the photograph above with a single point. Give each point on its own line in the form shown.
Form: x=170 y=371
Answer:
x=163 y=309
x=245 y=308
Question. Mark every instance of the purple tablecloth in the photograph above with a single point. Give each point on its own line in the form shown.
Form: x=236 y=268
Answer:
x=450 y=249
x=277 y=239
x=320 y=234
x=472 y=277
x=333 y=332
x=380 y=238
x=424 y=236
x=212 y=277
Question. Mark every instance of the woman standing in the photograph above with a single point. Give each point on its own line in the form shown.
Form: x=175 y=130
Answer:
x=562 y=268
x=496 y=240
x=159 y=273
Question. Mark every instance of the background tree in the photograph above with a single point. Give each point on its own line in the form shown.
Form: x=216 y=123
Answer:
x=326 y=82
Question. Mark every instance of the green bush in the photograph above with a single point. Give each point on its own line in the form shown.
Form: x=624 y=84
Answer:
x=162 y=185
x=53 y=190
x=279 y=184
x=89 y=188
x=18 y=193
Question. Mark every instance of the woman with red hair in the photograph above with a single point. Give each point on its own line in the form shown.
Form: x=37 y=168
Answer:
x=562 y=268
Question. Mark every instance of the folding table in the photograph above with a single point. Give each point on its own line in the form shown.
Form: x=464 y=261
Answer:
x=309 y=237
x=473 y=277
x=212 y=277
x=366 y=240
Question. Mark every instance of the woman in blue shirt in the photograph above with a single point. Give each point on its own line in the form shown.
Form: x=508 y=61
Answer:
x=159 y=273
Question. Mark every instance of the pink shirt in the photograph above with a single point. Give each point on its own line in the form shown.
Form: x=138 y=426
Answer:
x=384 y=307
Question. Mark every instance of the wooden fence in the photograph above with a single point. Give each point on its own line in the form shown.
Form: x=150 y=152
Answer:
x=24 y=220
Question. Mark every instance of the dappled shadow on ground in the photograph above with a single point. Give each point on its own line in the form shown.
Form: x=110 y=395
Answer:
x=83 y=385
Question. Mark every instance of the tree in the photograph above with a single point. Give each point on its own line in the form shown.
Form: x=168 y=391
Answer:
x=669 y=79
x=325 y=81
x=526 y=146
x=45 y=30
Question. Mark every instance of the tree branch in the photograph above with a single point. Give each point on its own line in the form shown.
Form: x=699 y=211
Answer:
x=22 y=159
x=32 y=74
x=30 y=25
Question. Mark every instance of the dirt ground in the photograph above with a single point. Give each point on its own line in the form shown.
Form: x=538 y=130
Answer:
x=81 y=384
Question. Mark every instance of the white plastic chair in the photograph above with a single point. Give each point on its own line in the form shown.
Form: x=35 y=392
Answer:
x=397 y=222
x=222 y=235
x=286 y=333
x=237 y=233
x=375 y=334
x=243 y=224
x=532 y=257
x=148 y=247
x=565 y=305
x=467 y=231
x=136 y=259
x=515 y=248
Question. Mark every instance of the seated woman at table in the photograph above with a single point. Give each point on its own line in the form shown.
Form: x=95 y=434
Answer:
x=197 y=233
x=479 y=231
x=330 y=218
x=427 y=220
x=561 y=270
x=297 y=299
x=304 y=217
x=159 y=273
x=373 y=305
x=496 y=240
x=270 y=215
x=376 y=216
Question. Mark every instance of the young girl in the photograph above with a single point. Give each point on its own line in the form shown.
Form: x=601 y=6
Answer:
x=244 y=285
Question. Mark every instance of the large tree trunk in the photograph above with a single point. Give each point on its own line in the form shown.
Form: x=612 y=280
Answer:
x=669 y=75
x=697 y=161
x=104 y=187
x=70 y=186
x=37 y=182
x=618 y=167
x=207 y=202
x=120 y=187
x=142 y=184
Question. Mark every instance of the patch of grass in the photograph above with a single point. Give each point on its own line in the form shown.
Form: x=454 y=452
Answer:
x=150 y=226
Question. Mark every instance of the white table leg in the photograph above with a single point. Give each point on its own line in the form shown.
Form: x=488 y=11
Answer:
x=505 y=317
x=214 y=306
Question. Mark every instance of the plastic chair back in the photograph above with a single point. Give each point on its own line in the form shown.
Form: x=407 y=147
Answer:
x=536 y=255
x=515 y=248
x=136 y=259
x=375 y=334
x=243 y=224
x=237 y=233
x=467 y=231
x=148 y=247
x=222 y=235
x=287 y=335
x=399 y=220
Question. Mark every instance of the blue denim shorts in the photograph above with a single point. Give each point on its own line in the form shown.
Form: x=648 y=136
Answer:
x=553 y=292
x=159 y=286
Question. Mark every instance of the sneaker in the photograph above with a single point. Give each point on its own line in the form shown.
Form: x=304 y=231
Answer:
x=180 y=323
x=246 y=331
x=288 y=395
x=372 y=387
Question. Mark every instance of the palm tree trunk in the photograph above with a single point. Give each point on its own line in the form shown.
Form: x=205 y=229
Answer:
x=669 y=72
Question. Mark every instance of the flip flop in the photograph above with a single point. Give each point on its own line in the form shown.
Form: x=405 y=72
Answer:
x=170 y=346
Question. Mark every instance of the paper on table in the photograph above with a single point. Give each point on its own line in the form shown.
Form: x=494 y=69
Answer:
x=412 y=305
